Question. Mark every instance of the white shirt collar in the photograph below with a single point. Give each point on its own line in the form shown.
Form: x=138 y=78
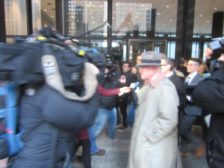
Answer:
x=191 y=76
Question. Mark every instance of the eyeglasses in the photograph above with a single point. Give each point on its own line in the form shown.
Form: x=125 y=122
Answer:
x=191 y=64
x=164 y=64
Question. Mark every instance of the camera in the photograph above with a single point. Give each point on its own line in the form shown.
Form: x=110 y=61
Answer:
x=109 y=69
x=217 y=44
x=109 y=62
x=110 y=65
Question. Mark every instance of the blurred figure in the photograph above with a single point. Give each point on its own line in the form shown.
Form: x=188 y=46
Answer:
x=209 y=94
x=182 y=65
x=125 y=79
x=84 y=142
x=135 y=85
x=138 y=59
x=107 y=113
x=191 y=111
x=168 y=67
x=203 y=70
x=154 y=137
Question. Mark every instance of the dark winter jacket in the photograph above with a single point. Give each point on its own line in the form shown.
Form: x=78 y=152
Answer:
x=179 y=84
x=209 y=94
x=50 y=122
x=109 y=102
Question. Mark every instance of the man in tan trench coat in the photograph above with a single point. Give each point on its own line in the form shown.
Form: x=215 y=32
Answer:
x=154 y=137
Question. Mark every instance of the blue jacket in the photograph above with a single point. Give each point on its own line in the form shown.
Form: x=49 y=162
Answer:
x=50 y=122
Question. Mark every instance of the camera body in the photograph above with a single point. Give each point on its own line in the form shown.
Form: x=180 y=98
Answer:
x=111 y=69
x=217 y=43
x=108 y=70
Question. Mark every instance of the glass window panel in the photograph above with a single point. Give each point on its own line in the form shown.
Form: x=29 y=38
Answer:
x=171 y=47
x=44 y=14
x=131 y=16
x=86 y=17
x=204 y=14
x=143 y=16
x=137 y=46
x=195 y=50
x=15 y=17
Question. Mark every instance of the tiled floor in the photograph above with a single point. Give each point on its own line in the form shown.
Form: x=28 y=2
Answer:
x=117 y=153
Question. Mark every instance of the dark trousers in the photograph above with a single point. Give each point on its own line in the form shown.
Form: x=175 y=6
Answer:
x=123 y=104
x=201 y=121
x=186 y=121
x=215 y=141
x=86 y=153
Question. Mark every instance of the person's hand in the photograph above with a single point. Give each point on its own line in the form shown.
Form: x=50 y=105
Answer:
x=124 y=90
x=221 y=58
x=208 y=53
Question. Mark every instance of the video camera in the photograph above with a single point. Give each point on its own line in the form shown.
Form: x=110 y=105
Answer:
x=109 y=68
x=217 y=44
x=111 y=64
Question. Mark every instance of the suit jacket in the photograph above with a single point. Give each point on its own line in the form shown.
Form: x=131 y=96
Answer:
x=181 y=91
x=198 y=78
x=191 y=108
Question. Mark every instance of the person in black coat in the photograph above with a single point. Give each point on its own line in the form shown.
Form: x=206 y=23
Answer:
x=191 y=111
x=168 y=66
x=209 y=95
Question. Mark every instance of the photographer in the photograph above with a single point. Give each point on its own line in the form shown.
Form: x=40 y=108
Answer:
x=213 y=52
x=107 y=113
x=209 y=94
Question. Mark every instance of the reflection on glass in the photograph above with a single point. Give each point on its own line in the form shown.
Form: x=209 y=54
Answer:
x=204 y=15
x=195 y=50
x=131 y=16
x=43 y=14
x=171 y=47
x=144 y=17
x=15 y=17
x=138 y=46
x=83 y=16
x=36 y=15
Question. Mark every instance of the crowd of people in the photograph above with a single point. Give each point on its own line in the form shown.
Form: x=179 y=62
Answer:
x=165 y=107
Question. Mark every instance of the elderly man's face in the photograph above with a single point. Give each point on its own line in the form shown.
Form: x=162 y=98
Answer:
x=148 y=72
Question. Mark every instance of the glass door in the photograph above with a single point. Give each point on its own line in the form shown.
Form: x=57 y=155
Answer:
x=137 y=46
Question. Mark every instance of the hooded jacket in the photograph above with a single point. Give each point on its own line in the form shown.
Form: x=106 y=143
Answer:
x=50 y=121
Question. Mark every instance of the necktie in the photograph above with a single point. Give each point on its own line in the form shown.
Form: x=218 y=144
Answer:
x=187 y=81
